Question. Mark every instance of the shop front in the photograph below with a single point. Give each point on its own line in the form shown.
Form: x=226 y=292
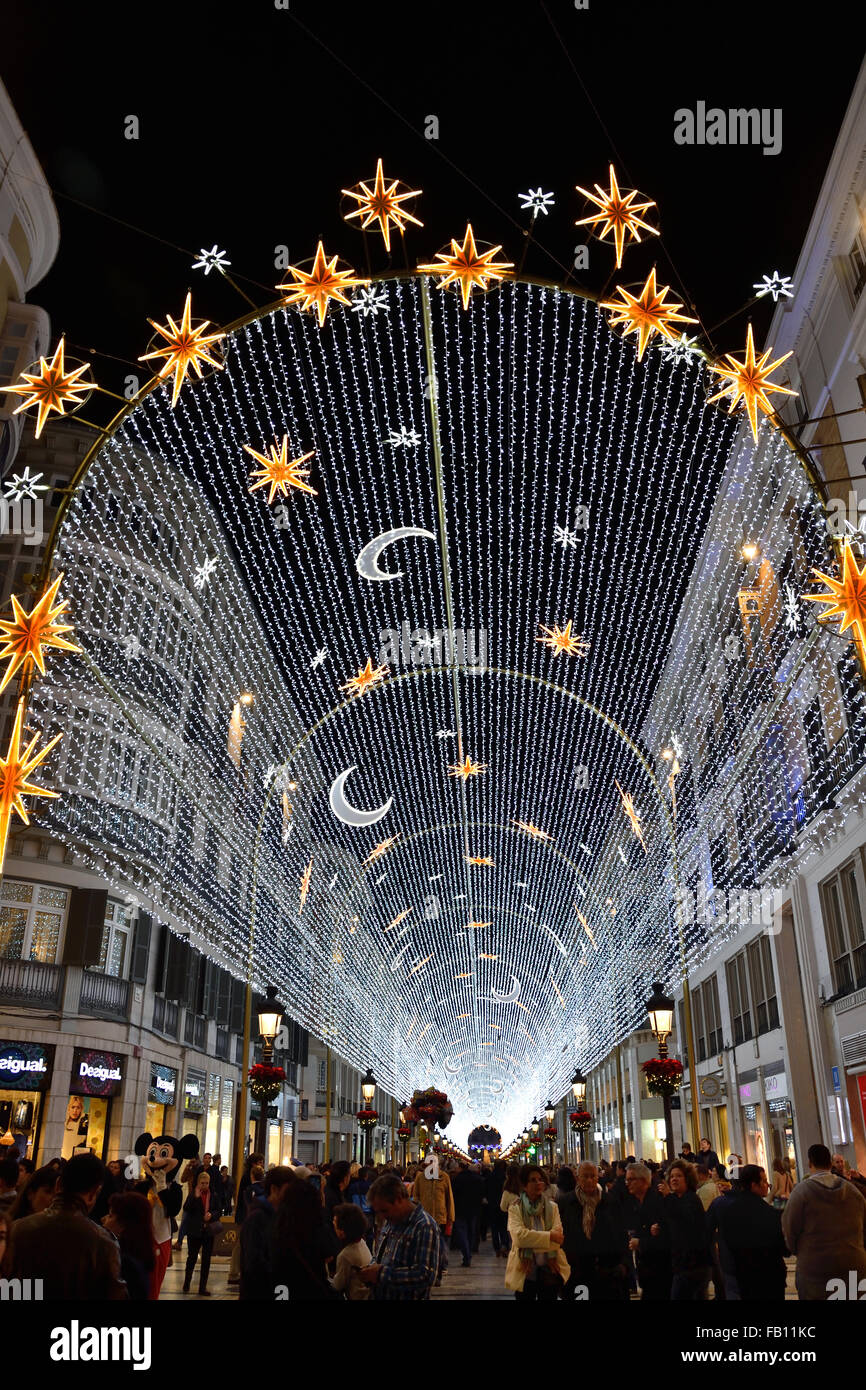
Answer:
x=25 y=1076
x=97 y=1077
x=194 y=1104
x=161 y=1100
x=769 y=1127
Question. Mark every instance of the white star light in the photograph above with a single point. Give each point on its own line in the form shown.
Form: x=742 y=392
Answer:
x=446 y=733
x=792 y=609
x=204 y=572
x=369 y=301
x=402 y=437
x=681 y=350
x=321 y=656
x=535 y=201
x=22 y=485
x=211 y=260
x=775 y=285
x=564 y=536
x=131 y=647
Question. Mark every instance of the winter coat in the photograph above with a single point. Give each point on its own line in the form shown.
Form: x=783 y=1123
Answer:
x=824 y=1224
x=752 y=1233
x=600 y=1261
x=689 y=1235
x=435 y=1196
x=524 y=1239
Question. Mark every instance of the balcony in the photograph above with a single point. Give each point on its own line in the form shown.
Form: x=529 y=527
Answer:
x=29 y=984
x=103 y=995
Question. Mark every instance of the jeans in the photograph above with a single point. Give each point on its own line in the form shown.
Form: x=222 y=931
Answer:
x=466 y=1235
x=182 y=1232
x=499 y=1229
x=690 y=1285
x=196 y=1244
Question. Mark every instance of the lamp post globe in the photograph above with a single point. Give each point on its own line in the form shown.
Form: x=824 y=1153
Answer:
x=660 y=1008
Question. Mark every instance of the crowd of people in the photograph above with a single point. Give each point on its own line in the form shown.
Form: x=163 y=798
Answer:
x=594 y=1232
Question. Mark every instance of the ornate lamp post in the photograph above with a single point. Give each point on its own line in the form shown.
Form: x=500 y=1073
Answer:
x=550 y=1132
x=404 y=1133
x=368 y=1116
x=580 y=1115
x=660 y=1008
x=270 y=1018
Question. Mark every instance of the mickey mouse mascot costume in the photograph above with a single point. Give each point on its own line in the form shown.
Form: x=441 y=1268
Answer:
x=161 y=1160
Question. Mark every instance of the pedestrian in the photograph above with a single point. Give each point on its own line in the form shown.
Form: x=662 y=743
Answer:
x=643 y=1209
x=596 y=1243
x=304 y=1243
x=708 y=1188
x=824 y=1224
x=8 y=1182
x=216 y=1181
x=350 y=1226
x=468 y=1189
x=752 y=1232
x=782 y=1184
x=432 y=1189
x=537 y=1269
x=407 y=1260
x=256 y=1237
x=252 y=1160
x=228 y=1190
x=498 y=1218
x=689 y=1235
x=202 y=1218
x=565 y=1182
x=5 y=1243
x=36 y=1195
x=188 y=1179
x=115 y=1181
x=74 y=1258
x=686 y=1153
x=724 y=1276
x=710 y=1159
x=337 y=1185
x=26 y=1169
x=130 y=1220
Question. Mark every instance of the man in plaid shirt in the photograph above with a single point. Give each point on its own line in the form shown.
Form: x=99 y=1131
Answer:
x=407 y=1260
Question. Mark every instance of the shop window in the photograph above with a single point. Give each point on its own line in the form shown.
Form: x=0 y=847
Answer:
x=843 y=924
x=32 y=917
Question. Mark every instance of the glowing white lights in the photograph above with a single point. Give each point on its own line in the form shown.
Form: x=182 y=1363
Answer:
x=214 y=259
x=535 y=201
x=779 y=286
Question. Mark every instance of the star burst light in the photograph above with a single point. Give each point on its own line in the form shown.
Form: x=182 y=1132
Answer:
x=535 y=201
x=618 y=214
x=279 y=472
x=468 y=267
x=214 y=259
x=22 y=485
x=847 y=597
x=646 y=313
x=679 y=351
x=777 y=285
x=382 y=203
x=532 y=830
x=366 y=677
x=15 y=769
x=51 y=388
x=186 y=347
x=466 y=769
x=316 y=288
x=749 y=379
x=560 y=641
x=479 y=859
x=305 y=886
x=368 y=302
x=632 y=816
x=382 y=848
x=25 y=634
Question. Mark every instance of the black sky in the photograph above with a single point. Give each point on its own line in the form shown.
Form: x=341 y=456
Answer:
x=252 y=118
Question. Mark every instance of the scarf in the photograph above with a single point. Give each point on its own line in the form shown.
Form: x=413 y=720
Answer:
x=589 y=1204
x=536 y=1218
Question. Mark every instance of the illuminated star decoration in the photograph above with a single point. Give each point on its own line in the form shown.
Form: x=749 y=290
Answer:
x=403 y=438
x=619 y=213
x=646 y=313
x=478 y=859
x=381 y=204
x=535 y=201
x=366 y=677
x=476 y=926
x=279 y=472
x=314 y=289
x=628 y=807
x=792 y=611
x=568 y=539
x=382 y=848
x=51 y=388
x=369 y=301
x=204 y=572
x=321 y=656
x=847 y=596
x=749 y=379
x=466 y=769
x=22 y=485
x=305 y=885
x=678 y=350
x=26 y=634
x=532 y=830
x=185 y=347
x=560 y=641
x=467 y=266
x=15 y=769
x=213 y=259
x=775 y=285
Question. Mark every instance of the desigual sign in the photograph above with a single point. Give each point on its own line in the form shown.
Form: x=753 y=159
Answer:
x=25 y=1066
x=96 y=1073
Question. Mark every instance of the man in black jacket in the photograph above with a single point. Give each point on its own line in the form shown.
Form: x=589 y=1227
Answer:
x=752 y=1232
x=468 y=1188
x=256 y=1236
x=643 y=1208
x=595 y=1244
x=710 y=1159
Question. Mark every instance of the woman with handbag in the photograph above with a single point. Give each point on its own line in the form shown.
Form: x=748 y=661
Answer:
x=202 y=1220
x=536 y=1268
x=304 y=1244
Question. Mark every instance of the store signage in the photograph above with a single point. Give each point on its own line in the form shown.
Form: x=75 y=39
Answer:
x=837 y=1082
x=775 y=1088
x=96 y=1073
x=194 y=1093
x=25 y=1066
x=163 y=1084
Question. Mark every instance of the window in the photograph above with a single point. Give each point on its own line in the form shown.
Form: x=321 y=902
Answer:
x=738 y=998
x=843 y=924
x=698 y=1025
x=857 y=264
x=712 y=1016
x=763 y=985
x=114 y=951
x=31 y=920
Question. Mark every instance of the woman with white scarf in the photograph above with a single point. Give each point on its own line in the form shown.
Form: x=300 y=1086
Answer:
x=536 y=1269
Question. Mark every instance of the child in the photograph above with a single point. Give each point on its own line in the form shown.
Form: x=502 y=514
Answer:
x=351 y=1227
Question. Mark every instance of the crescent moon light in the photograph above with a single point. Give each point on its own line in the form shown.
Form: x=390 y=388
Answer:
x=511 y=996
x=367 y=561
x=349 y=815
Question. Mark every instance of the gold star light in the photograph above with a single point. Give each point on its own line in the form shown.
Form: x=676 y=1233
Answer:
x=51 y=387
x=27 y=633
x=382 y=848
x=279 y=472
x=382 y=204
x=847 y=596
x=316 y=288
x=15 y=769
x=478 y=859
x=749 y=380
x=305 y=885
x=646 y=314
x=560 y=640
x=476 y=926
x=532 y=830
x=628 y=807
x=467 y=266
x=185 y=347
x=619 y=214
x=366 y=677
x=466 y=769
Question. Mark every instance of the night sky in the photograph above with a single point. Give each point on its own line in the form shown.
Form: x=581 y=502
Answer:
x=251 y=124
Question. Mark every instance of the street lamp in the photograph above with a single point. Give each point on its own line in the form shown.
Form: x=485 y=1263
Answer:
x=270 y=1018
x=368 y=1090
x=578 y=1090
x=550 y=1116
x=660 y=1008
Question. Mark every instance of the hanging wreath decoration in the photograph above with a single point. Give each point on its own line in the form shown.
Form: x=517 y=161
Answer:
x=367 y=1118
x=580 y=1121
x=265 y=1082
x=664 y=1075
x=430 y=1108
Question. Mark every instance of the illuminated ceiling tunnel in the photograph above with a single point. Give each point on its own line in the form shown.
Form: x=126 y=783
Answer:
x=502 y=919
